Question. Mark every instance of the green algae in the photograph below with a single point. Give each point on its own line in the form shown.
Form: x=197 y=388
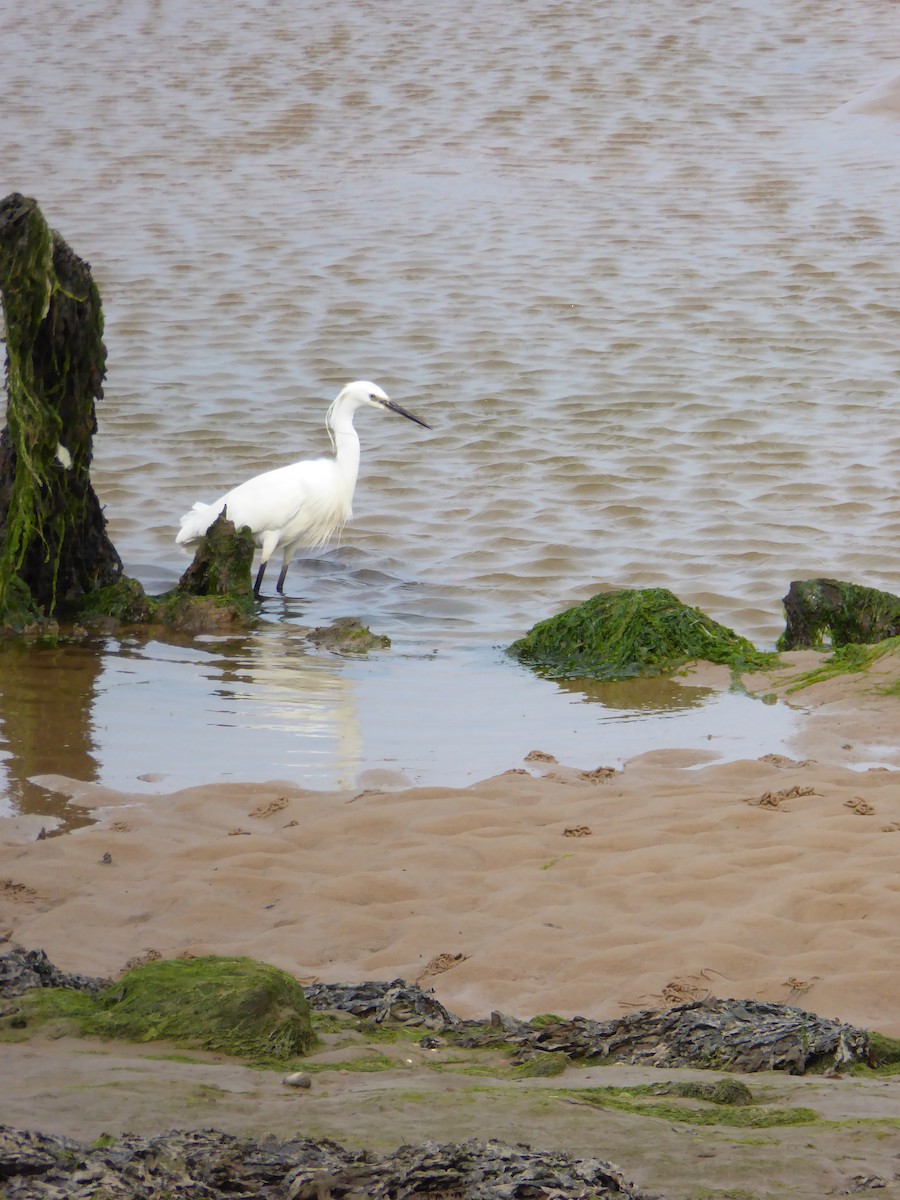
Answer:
x=543 y=1066
x=650 y=1101
x=850 y=659
x=633 y=632
x=233 y=1006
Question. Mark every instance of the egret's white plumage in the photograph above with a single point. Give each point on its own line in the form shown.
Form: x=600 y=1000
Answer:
x=305 y=503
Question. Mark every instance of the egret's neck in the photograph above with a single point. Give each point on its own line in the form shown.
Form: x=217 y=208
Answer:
x=346 y=452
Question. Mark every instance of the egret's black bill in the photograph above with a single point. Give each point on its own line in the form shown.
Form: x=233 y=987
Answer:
x=392 y=407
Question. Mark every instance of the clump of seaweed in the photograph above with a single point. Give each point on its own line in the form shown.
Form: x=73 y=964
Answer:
x=230 y=1005
x=631 y=632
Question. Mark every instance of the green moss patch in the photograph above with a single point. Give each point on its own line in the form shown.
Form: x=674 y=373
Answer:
x=623 y=634
x=229 y=1005
x=649 y=1101
x=885 y=1056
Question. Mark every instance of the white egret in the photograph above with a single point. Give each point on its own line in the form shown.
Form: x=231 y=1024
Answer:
x=305 y=503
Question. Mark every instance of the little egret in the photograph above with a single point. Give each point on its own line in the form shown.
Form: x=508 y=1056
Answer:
x=305 y=503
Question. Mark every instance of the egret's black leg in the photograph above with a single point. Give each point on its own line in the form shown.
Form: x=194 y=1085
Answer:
x=259 y=579
x=279 y=587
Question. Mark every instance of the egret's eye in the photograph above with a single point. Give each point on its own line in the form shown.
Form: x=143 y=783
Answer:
x=372 y=396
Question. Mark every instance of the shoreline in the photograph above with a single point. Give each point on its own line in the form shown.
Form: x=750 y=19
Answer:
x=544 y=888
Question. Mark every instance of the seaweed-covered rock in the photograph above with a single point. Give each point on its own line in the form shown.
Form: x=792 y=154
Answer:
x=215 y=592
x=347 y=635
x=723 y=1035
x=230 y=1005
x=209 y=1165
x=735 y=1035
x=822 y=611
x=622 y=634
x=54 y=548
x=233 y=1005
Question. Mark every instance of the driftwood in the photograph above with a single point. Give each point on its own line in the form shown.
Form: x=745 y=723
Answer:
x=207 y=1165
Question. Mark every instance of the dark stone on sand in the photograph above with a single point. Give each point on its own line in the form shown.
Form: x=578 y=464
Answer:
x=822 y=612
x=21 y=970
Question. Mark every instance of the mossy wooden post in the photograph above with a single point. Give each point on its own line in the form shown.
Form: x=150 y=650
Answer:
x=53 y=543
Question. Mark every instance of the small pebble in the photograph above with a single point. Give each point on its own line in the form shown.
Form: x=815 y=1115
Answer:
x=297 y=1079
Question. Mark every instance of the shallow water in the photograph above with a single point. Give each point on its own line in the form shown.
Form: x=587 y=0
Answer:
x=635 y=263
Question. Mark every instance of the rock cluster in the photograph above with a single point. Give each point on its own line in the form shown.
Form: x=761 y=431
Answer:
x=208 y=1165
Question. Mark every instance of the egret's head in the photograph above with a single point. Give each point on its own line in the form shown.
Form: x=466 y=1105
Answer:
x=363 y=392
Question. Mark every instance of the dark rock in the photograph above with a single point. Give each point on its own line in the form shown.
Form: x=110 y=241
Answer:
x=21 y=970
x=54 y=549
x=348 y=635
x=208 y=1165
x=822 y=611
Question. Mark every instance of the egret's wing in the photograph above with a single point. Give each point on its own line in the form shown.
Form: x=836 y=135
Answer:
x=268 y=501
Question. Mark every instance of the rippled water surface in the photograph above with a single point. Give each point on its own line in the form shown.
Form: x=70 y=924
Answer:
x=636 y=263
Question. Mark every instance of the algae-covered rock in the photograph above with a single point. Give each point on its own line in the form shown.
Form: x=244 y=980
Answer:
x=231 y=1005
x=215 y=592
x=828 y=611
x=54 y=549
x=349 y=636
x=618 y=635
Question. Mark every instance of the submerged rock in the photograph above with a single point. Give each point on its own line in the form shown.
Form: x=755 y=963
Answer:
x=828 y=611
x=622 y=634
x=348 y=635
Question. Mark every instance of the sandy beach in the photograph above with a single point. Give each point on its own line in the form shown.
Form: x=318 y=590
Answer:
x=542 y=889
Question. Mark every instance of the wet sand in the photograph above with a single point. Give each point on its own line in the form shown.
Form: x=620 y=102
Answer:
x=542 y=889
